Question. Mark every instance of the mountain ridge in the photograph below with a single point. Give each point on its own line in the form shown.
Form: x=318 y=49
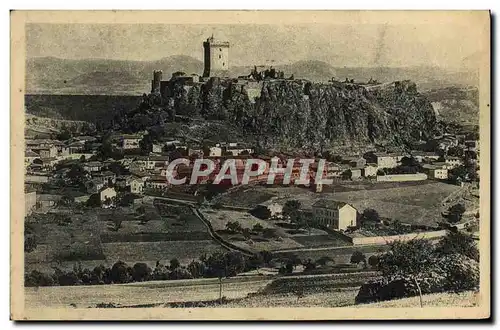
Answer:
x=47 y=75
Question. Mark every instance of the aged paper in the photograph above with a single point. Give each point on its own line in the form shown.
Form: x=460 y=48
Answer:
x=250 y=165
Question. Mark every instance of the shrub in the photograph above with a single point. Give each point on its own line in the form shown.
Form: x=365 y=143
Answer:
x=141 y=272
x=358 y=257
x=120 y=273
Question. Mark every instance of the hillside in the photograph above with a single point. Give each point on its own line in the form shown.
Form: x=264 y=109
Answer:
x=456 y=105
x=51 y=75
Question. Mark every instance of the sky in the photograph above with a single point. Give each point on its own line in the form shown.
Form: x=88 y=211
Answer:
x=401 y=45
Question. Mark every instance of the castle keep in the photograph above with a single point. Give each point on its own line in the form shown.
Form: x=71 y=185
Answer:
x=216 y=57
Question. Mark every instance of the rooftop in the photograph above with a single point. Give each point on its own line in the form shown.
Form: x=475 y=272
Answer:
x=329 y=204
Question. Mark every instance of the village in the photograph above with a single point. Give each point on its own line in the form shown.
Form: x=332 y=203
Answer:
x=121 y=182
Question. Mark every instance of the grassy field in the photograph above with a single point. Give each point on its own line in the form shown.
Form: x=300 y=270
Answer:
x=138 y=293
x=150 y=252
x=286 y=238
x=448 y=299
x=415 y=203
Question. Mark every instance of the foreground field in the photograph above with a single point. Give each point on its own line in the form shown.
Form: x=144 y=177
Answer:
x=144 y=293
x=450 y=299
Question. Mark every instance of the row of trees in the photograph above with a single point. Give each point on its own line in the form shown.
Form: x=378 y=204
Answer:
x=220 y=265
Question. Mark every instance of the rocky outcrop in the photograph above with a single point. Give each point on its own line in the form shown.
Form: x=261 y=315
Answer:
x=314 y=116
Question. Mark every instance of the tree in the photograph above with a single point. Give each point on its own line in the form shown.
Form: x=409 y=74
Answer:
x=257 y=228
x=373 y=261
x=94 y=201
x=141 y=272
x=30 y=242
x=233 y=227
x=358 y=257
x=346 y=175
x=309 y=265
x=370 y=215
x=408 y=259
x=224 y=265
x=461 y=243
x=455 y=213
x=196 y=268
x=120 y=273
x=261 y=212
x=174 y=264
x=246 y=233
x=291 y=208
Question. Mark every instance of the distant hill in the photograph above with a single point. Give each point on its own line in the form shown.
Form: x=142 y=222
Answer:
x=50 y=75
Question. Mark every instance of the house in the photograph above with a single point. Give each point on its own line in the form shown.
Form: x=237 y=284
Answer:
x=356 y=173
x=45 y=152
x=49 y=163
x=436 y=172
x=107 y=194
x=136 y=186
x=453 y=161
x=384 y=160
x=388 y=160
x=105 y=177
x=215 y=152
x=234 y=149
x=421 y=156
x=123 y=181
x=158 y=147
x=131 y=141
x=30 y=156
x=472 y=145
x=29 y=202
x=370 y=170
x=358 y=162
x=93 y=186
x=333 y=214
x=156 y=183
x=76 y=147
x=93 y=166
x=47 y=200
x=197 y=152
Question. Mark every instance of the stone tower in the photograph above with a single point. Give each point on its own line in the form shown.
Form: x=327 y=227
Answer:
x=216 y=57
x=155 y=83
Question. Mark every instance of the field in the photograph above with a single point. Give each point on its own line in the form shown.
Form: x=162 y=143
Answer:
x=285 y=238
x=150 y=252
x=171 y=231
x=140 y=293
x=414 y=203
x=462 y=299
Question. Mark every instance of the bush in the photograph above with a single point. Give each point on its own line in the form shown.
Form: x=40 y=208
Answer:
x=120 y=273
x=358 y=257
x=141 y=272
x=36 y=278
x=373 y=261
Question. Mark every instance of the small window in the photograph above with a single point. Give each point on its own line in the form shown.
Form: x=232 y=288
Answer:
x=220 y=49
x=220 y=56
x=223 y=64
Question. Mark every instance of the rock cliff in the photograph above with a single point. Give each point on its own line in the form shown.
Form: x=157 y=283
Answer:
x=302 y=114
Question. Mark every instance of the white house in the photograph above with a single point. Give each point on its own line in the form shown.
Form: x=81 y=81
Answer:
x=370 y=170
x=107 y=193
x=137 y=186
x=215 y=152
x=333 y=214
x=453 y=161
x=130 y=142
